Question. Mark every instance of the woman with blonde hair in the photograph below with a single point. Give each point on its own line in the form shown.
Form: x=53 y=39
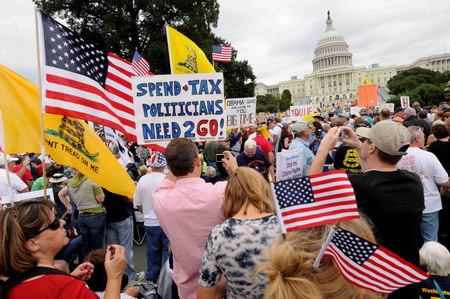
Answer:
x=237 y=245
x=290 y=266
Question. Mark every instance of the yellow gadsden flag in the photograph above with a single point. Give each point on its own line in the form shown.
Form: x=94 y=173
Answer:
x=67 y=140
x=366 y=81
x=185 y=56
x=19 y=104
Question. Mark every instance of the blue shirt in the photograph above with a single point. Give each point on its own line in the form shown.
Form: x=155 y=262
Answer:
x=308 y=154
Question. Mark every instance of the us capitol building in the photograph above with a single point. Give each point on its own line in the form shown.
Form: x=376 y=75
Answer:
x=335 y=79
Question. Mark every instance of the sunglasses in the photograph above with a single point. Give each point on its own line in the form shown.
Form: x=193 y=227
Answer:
x=362 y=139
x=54 y=225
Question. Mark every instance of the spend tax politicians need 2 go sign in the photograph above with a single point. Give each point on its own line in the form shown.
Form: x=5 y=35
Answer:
x=172 y=106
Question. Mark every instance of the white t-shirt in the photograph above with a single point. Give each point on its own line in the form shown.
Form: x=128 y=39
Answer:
x=431 y=172
x=16 y=183
x=145 y=189
x=277 y=130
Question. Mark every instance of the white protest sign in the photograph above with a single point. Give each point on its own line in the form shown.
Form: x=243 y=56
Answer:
x=355 y=110
x=390 y=106
x=172 y=106
x=289 y=164
x=39 y=194
x=301 y=110
x=111 y=135
x=241 y=112
x=404 y=100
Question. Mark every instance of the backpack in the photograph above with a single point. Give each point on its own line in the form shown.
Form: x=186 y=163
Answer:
x=16 y=279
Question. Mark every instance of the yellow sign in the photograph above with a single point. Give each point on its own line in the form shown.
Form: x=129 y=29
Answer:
x=310 y=117
x=185 y=56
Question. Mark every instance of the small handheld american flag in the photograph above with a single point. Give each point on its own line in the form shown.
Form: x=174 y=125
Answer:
x=222 y=53
x=139 y=65
x=315 y=200
x=370 y=266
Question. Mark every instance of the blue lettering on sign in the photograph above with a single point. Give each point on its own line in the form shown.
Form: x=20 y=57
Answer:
x=191 y=126
x=219 y=107
x=145 y=108
x=158 y=89
x=161 y=131
x=188 y=112
x=203 y=87
x=215 y=86
x=172 y=88
x=193 y=84
x=142 y=91
x=181 y=104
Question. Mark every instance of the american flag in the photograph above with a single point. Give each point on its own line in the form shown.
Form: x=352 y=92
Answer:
x=222 y=53
x=139 y=65
x=81 y=80
x=315 y=200
x=371 y=266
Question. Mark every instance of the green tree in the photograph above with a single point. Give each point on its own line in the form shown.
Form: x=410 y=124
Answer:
x=261 y=100
x=286 y=100
x=410 y=79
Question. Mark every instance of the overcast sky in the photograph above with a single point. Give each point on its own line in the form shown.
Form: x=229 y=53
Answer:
x=278 y=38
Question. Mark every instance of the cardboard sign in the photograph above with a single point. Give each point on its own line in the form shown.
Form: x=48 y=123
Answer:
x=39 y=194
x=355 y=110
x=301 y=110
x=310 y=118
x=368 y=96
x=289 y=164
x=404 y=100
x=240 y=112
x=261 y=117
x=172 y=106
x=390 y=106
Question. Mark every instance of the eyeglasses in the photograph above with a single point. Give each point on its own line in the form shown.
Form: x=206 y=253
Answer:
x=362 y=139
x=54 y=225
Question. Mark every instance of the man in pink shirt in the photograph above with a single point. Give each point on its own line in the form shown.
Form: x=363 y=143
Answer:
x=188 y=208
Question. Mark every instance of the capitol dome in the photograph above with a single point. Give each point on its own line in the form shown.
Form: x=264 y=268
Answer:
x=332 y=50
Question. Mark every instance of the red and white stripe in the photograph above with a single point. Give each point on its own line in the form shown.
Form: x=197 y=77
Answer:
x=225 y=55
x=141 y=67
x=383 y=272
x=78 y=96
x=334 y=200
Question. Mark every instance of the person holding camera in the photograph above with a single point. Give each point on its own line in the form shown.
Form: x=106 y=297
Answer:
x=316 y=136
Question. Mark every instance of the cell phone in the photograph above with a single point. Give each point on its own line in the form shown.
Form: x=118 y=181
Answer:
x=219 y=157
x=342 y=135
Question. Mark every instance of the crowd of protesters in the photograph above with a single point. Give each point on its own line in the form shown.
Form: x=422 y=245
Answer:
x=209 y=213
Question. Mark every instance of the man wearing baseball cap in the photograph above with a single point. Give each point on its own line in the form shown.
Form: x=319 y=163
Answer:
x=393 y=199
x=17 y=184
x=301 y=133
x=345 y=118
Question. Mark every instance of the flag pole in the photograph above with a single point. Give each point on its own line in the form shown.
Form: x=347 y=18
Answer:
x=8 y=179
x=325 y=244
x=43 y=152
x=168 y=46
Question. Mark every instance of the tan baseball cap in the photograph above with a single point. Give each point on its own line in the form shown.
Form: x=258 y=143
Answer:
x=388 y=136
x=299 y=127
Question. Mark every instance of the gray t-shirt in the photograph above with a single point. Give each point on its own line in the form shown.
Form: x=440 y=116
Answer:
x=233 y=249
